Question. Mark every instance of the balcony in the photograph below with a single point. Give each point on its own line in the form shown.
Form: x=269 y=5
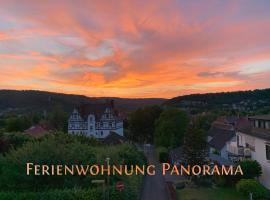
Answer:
x=238 y=151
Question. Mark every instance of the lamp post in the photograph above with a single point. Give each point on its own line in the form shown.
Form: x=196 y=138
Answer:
x=108 y=178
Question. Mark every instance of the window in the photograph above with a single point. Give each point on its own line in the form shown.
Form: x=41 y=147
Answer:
x=101 y=133
x=256 y=124
x=267 y=148
x=267 y=125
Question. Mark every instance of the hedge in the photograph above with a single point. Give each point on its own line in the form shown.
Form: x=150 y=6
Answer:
x=66 y=194
x=247 y=186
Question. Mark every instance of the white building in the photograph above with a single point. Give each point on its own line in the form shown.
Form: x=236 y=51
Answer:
x=253 y=140
x=97 y=120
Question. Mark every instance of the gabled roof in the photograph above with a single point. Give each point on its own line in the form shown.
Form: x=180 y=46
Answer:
x=220 y=138
x=257 y=132
x=114 y=138
x=261 y=117
x=228 y=119
x=36 y=131
x=245 y=127
x=96 y=109
x=243 y=124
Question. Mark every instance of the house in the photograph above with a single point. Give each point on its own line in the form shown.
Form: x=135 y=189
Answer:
x=221 y=123
x=218 y=143
x=96 y=120
x=37 y=131
x=114 y=139
x=222 y=131
x=253 y=140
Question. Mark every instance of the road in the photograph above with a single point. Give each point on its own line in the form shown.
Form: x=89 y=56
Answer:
x=154 y=186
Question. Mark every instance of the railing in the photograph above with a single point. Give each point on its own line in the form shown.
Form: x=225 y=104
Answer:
x=232 y=148
x=238 y=150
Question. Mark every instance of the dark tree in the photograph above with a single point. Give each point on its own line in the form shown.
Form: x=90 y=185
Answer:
x=142 y=124
x=195 y=146
x=17 y=124
x=170 y=128
x=58 y=118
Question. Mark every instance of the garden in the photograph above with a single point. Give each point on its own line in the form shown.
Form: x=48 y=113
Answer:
x=60 y=148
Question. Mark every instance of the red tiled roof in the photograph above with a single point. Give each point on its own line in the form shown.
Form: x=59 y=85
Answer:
x=36 y=131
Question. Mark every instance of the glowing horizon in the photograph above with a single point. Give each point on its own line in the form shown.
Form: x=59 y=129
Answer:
x=135 y=49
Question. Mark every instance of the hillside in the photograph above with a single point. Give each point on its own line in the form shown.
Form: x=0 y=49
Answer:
x=241 y=100
x=26 y=100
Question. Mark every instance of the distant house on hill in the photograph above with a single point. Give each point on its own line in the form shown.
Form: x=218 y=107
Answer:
x=96 y=120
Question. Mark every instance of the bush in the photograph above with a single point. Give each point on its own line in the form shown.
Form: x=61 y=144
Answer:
x=204 y=181
x=131 y=191
x=251 y=169
x=247 y=186
x=66 y=194
x=220 y=181
x=163 y=154
x=180 y=185
x=13 y=140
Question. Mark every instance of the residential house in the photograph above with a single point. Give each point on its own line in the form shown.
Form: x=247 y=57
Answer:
x=253 y=140
x=222 y=131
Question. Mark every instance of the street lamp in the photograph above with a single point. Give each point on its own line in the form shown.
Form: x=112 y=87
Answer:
x=108 y=177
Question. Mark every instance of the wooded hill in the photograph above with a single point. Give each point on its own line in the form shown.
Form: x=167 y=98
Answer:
x=241 y=100
x=25 y=100
x=223 y=97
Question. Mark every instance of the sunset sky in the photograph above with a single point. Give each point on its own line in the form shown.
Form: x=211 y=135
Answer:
x=139 y=48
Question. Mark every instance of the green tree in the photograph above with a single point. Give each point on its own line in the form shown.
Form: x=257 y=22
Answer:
x=205 y=120
x=17 y=124
x=170 y=128
x=195 y=146
x=142 y=124
x=58 y=118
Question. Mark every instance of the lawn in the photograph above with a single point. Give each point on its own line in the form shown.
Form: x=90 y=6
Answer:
x=209 y=194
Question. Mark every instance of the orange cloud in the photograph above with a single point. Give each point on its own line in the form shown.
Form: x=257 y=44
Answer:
x=134 y=48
